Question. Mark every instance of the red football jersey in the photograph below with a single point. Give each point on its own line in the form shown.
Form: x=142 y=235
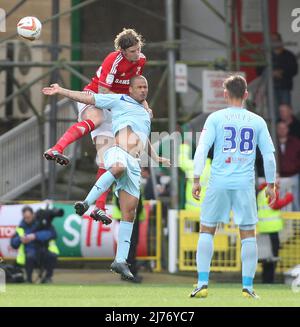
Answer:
x=115 y=73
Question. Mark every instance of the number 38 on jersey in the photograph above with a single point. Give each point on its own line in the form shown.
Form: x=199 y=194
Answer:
x=238 y=140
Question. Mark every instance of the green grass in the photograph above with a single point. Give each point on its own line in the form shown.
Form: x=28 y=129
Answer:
x=146 y=295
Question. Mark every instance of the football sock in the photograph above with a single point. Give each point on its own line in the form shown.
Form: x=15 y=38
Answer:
x=205 y=251
x=124 y=237
x=74 y=133
x=101 y=201
x=102 y=185
x=249 y=261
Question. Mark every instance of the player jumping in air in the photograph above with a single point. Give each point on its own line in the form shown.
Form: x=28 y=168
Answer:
x=112 y=77
x=131 y=126
x=235 y=133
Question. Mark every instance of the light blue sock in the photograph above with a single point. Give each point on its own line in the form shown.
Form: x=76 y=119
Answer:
x=124 y=237
x=102 y=185
x=249 y=261
x=205 y=252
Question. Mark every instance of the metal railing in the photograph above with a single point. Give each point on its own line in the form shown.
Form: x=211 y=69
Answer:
x=21 y=166
x=227 y=246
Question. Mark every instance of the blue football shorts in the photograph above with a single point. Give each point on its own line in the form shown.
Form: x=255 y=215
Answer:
x=218 y=203
x=131 y=179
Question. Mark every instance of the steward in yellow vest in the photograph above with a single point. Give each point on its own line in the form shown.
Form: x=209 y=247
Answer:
x=269 y=218
x=187 y=166
x=270 y=224
x=36 y=248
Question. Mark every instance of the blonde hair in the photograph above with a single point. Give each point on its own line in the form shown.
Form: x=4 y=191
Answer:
x=128 y=38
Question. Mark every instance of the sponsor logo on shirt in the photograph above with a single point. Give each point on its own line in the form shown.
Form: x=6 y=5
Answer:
x=230 y=160
x=122 y=81
x=109 y=78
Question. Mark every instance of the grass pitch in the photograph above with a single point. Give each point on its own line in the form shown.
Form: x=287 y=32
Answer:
x=143 y=295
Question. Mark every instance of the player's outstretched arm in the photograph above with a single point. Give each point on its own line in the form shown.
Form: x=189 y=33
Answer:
x=73 y=95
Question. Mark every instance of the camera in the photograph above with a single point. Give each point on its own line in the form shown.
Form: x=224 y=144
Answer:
x=44 y=217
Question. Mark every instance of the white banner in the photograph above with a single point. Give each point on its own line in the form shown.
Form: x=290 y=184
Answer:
x=92 y=239
x=181 y=78
x=213 y=91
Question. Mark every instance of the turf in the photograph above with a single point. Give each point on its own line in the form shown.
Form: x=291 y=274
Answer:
x=147 y=295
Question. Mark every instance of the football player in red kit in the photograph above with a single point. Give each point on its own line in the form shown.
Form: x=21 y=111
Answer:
x=112 y=77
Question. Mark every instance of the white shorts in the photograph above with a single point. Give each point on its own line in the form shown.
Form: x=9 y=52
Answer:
x=105 y=129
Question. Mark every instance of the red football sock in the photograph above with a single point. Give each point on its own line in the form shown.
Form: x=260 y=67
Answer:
x=101 y=201
x=74 y=133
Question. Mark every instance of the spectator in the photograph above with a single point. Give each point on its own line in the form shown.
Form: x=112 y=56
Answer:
x=270 y=224
x=289 y=159
x=36 y=248
x=286 y=115
x=186 y=164
x=285 y=67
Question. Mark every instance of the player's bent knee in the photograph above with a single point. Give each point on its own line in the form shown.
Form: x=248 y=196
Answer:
x=94 y=114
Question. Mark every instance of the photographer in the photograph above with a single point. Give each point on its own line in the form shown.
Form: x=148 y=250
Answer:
x=35 y=241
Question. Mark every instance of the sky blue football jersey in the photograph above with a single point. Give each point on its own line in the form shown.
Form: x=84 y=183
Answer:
x=125 y=112
x=235 y=133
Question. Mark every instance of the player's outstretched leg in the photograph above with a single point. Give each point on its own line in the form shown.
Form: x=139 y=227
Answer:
x=53 y=154
x=102 y=185
x=99 y=213
x=72 y=134
x=101 y=201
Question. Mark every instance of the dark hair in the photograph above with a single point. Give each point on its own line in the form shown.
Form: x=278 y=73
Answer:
x=236 y=86
x=135 y=77
x=277 y=36
x=128 y=38
x=27 y=208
